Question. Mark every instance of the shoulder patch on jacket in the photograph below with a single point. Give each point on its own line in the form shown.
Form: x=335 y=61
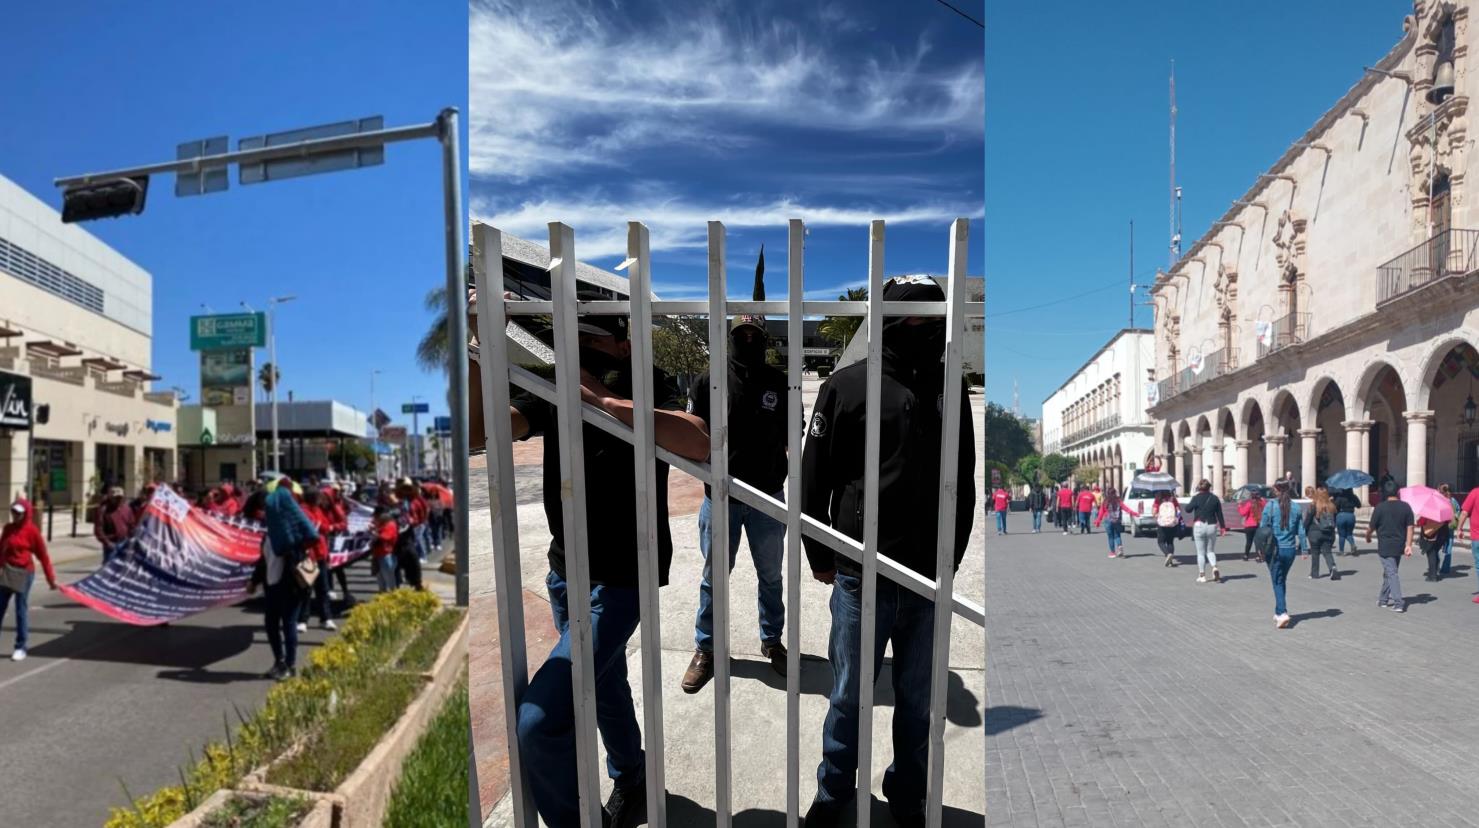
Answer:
x=818 y=425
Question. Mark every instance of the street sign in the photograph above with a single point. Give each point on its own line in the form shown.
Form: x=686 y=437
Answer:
x=15 y=401
x=415 y=408
x=319 y=162
x=228 y=330
x=443 y=425
x=212 y=179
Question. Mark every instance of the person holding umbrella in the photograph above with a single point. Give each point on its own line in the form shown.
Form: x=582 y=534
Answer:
x=1433 y=511
x=1391 y=522
x=1342 y=486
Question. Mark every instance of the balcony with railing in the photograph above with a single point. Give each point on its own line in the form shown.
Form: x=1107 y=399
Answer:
x=1289 y=329
x=1100 y=426
x=1216 y=364
x=1447 y=255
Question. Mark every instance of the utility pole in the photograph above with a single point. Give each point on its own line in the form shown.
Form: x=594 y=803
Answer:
x=1175 y=251
x=1132 y=274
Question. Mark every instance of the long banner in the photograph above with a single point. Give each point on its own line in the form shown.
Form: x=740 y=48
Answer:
x=182 y=560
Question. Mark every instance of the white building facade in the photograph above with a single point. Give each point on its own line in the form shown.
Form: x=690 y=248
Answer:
x=1098 y=416
x=76 y=323
x=1330 y=319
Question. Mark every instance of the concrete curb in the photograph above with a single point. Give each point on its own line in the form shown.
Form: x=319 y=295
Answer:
x=320 y=816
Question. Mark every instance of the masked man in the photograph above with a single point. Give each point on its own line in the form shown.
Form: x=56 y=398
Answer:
x=911 y=403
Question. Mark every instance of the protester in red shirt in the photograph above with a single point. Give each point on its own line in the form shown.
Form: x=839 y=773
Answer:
x=1000 y=502
x=21 y=545
x=1065 y=506
x=382 y=549
x=1467 y=515
x=416 y=511
x=314 y=504
x=113 y=523
x=1085 y=502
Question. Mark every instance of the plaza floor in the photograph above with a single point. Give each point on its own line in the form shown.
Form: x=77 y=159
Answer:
x=1121 y=692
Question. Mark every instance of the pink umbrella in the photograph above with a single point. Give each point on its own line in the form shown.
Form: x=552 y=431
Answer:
x=1428 y=503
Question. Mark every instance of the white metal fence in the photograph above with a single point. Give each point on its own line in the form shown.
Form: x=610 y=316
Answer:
x=564 y=392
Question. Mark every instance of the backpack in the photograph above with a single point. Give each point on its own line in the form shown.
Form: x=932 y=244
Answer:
x=1324 y=522
x=1167 y=513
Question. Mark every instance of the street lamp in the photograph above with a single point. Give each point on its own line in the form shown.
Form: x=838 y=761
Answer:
x=1469 y=408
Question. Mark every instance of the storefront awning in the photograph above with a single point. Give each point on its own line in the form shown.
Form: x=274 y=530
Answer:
x=6 y=331
x=142 y=376
x=104 y=363
x=53 y=349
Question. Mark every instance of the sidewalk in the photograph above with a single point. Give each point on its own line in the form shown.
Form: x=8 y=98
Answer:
x=758 y=698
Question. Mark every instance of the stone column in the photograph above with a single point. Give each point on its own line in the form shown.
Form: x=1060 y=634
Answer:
x=1240 y=464
x=1418 y=423
x=1217 y=465
x=1168 y=465
x=1309 y=443
x=1358 y=451
x=1201 y=469
x=1273 y=457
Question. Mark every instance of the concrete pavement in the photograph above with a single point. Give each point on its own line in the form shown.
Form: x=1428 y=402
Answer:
x=758 y=694
x=100 y=705
x=1124 y=693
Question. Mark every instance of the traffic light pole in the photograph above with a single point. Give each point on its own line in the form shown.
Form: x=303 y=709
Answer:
x=445 y=130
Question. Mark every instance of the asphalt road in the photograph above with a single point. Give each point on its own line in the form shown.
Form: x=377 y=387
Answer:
x=100 y=705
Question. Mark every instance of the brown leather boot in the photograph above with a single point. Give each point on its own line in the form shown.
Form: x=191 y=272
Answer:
x=699 y=671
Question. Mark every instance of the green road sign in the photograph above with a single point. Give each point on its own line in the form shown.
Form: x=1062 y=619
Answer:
x=228 y=330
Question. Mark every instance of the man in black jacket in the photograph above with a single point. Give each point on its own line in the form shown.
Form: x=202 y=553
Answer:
x=912 y=399
x=757 y=455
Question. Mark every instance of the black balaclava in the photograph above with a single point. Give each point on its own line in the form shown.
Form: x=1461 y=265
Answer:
x=923 y=345
x=750 y=354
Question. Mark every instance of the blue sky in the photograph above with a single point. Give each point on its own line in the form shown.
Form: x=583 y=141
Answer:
x=595 y=113
x=97 y=86
x=1077 y=147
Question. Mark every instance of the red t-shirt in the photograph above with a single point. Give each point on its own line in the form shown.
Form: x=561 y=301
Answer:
x=1086 y=501
x=1471 y=506
x=1000 y=501
x=385 y=537
x=1065 y=498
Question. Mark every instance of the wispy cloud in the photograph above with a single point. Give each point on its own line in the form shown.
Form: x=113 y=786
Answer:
x=562 y=85
x=678 y=224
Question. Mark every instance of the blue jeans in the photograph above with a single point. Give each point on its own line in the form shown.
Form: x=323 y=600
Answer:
x=546 y=729
x=1345 y=528
x=1037 y=521
x=1278 y=572
x=1001 y=523
x=908 y=620
x=385 y=574
x=1446 y=566
x=22 y=611
x=284 y=601
x=1083 y=521
x=1112 y=532
x=422 y=547
x=768 y=551
x=111 y=550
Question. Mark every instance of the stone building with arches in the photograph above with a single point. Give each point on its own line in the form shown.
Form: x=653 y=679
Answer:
x=1098 y=415
x=1330 y=318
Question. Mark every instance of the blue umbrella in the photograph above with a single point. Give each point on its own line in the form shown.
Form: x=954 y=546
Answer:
x=1349 y=479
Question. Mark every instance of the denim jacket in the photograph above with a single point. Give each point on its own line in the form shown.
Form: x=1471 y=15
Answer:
x=1292 y=537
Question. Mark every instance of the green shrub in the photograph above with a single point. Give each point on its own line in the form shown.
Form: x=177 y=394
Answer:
x=348 y=736
x=422 y=652
x=272 y=812
x=433 y=786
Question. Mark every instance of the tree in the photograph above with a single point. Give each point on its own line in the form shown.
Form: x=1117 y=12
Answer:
x=1058 y=467
x=680 y=350
x=1007 y=437
x=840 y=329
x=1029 y=469
x=268 y=377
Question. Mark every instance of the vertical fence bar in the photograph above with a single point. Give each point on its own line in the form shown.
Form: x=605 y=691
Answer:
x=649 y=566
x=871 y=459
x=949 y=492
x=572 y=502
x=795 y=417
x=503 y=503
x=719 y=510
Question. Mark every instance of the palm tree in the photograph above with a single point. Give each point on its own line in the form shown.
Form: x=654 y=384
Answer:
x=431 y=351
x=840 y=329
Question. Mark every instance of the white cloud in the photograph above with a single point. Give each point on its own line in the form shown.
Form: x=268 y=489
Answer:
x=553 y=86
x=676 y=224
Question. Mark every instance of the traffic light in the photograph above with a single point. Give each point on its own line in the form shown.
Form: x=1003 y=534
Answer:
x=108 y=199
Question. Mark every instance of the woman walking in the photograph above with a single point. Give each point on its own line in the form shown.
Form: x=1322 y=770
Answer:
x=1346 y=504
x=1251 y=510
x=290 y=538
x=1167 y=524
x=1112 y=508
x=1432 y=537
x=1320 y=529
x=1446 y=567
x=1207 y=524
x=21 y=545
x=1286 y=522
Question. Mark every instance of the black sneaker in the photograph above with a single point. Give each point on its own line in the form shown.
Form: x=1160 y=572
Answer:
x=278 y=672
x=907 y=817
x=823 y=814
x=627 y=806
